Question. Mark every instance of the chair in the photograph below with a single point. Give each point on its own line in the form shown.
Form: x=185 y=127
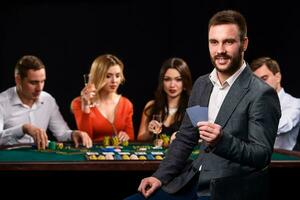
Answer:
x=251 y=187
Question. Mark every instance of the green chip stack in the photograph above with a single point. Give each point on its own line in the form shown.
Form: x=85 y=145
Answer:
x=52 y=145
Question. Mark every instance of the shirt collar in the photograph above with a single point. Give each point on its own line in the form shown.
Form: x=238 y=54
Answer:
x=214 y=78
x=15 y=99
x=281 y=93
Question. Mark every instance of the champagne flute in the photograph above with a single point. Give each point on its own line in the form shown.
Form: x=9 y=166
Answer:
x=156 y=128
x=86 y=79
x=91 y=88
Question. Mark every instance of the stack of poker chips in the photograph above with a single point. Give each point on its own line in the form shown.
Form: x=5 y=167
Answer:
x=52 y=145
x=55 y=145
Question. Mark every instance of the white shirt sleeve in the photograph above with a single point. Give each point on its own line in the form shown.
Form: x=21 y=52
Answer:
x=58 y=126
x=43 y=114
x=290 y=112
x=7 y=135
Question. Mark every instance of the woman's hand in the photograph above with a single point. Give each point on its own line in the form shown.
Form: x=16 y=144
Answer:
x=123 y=136
x=88 y=94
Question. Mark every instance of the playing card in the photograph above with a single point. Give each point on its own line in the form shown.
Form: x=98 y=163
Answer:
x=197 y=114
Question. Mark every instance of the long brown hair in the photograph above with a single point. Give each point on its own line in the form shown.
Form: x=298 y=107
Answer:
x=160 y=105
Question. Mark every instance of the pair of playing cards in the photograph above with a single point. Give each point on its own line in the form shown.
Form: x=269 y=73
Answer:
x=197 y=114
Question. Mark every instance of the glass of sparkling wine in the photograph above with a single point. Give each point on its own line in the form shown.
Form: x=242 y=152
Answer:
x=156 y=128
x=86 y=79
x=91 y=90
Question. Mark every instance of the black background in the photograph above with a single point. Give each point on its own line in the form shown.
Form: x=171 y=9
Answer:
x=68 y=35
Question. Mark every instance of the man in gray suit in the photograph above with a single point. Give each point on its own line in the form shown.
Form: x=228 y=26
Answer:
x=238 y=138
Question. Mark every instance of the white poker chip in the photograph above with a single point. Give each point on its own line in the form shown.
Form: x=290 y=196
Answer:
x=118 y=150
x=155 y=153
x=108 y=153
x=92 y=153
x=156 y=147
x=143 y=149
x=140 y=153
x=134 y=157
x=124 y=153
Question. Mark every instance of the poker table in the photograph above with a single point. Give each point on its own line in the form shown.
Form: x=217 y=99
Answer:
x=70 y=168
x=25 y=157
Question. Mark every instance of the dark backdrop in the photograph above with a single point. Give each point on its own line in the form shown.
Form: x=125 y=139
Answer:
x=67 y=36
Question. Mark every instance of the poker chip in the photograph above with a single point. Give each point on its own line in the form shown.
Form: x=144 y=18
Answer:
x=157 y=147
x=125 y=153
x=60 y=145
x=52 y=145
x=150 y=157
x=143 y=149
x=158 y=157
x=93 y=157
x=117 y=150
x=142 y=158
x=118 y=157
x=101 y=157
x=133 y=157
x=108 y=153
x=92 y=153
x=109 y=156
x=140 y=153
x=157 y=153
x=125 y=157
x=108 y=149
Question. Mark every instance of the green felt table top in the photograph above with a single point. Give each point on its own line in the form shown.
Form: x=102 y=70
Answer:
x=70 y=154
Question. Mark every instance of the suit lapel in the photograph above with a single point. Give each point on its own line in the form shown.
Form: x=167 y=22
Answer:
x=206 y=93
x=234 y=96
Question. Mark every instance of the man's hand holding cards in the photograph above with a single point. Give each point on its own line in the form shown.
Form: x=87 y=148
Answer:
x=197 y=114
x=209 y=132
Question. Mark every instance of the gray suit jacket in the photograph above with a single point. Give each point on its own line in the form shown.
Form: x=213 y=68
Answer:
x=249 y=117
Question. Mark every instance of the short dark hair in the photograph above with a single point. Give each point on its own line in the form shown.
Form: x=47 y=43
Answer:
x=230 y=17
x=271 y=64
x=26 y=63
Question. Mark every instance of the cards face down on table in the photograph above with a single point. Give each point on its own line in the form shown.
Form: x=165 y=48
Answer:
x=197 y=114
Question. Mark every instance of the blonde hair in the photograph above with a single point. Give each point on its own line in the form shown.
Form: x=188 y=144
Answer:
x=100 y=67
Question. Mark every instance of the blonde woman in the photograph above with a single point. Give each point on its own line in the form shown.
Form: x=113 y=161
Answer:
x=100 y=110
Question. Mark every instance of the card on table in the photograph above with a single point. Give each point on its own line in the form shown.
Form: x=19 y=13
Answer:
x=197 y=114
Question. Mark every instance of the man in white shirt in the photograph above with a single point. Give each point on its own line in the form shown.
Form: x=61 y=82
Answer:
x=269 y=71
x=26 y=111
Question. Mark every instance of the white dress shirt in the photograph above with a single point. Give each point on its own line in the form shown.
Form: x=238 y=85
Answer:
x=289 y=122
x=44 y=114
x=219 y=91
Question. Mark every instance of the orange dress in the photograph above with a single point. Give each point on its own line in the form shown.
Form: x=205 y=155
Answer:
x=97 y=126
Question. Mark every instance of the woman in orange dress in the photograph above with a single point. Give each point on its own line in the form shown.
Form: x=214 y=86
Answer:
x=100 y=110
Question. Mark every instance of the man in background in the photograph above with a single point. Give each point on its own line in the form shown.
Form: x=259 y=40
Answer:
x=269 y=71
x=26 y=111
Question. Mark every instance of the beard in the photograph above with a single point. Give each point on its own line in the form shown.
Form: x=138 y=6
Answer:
x=234 y=65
